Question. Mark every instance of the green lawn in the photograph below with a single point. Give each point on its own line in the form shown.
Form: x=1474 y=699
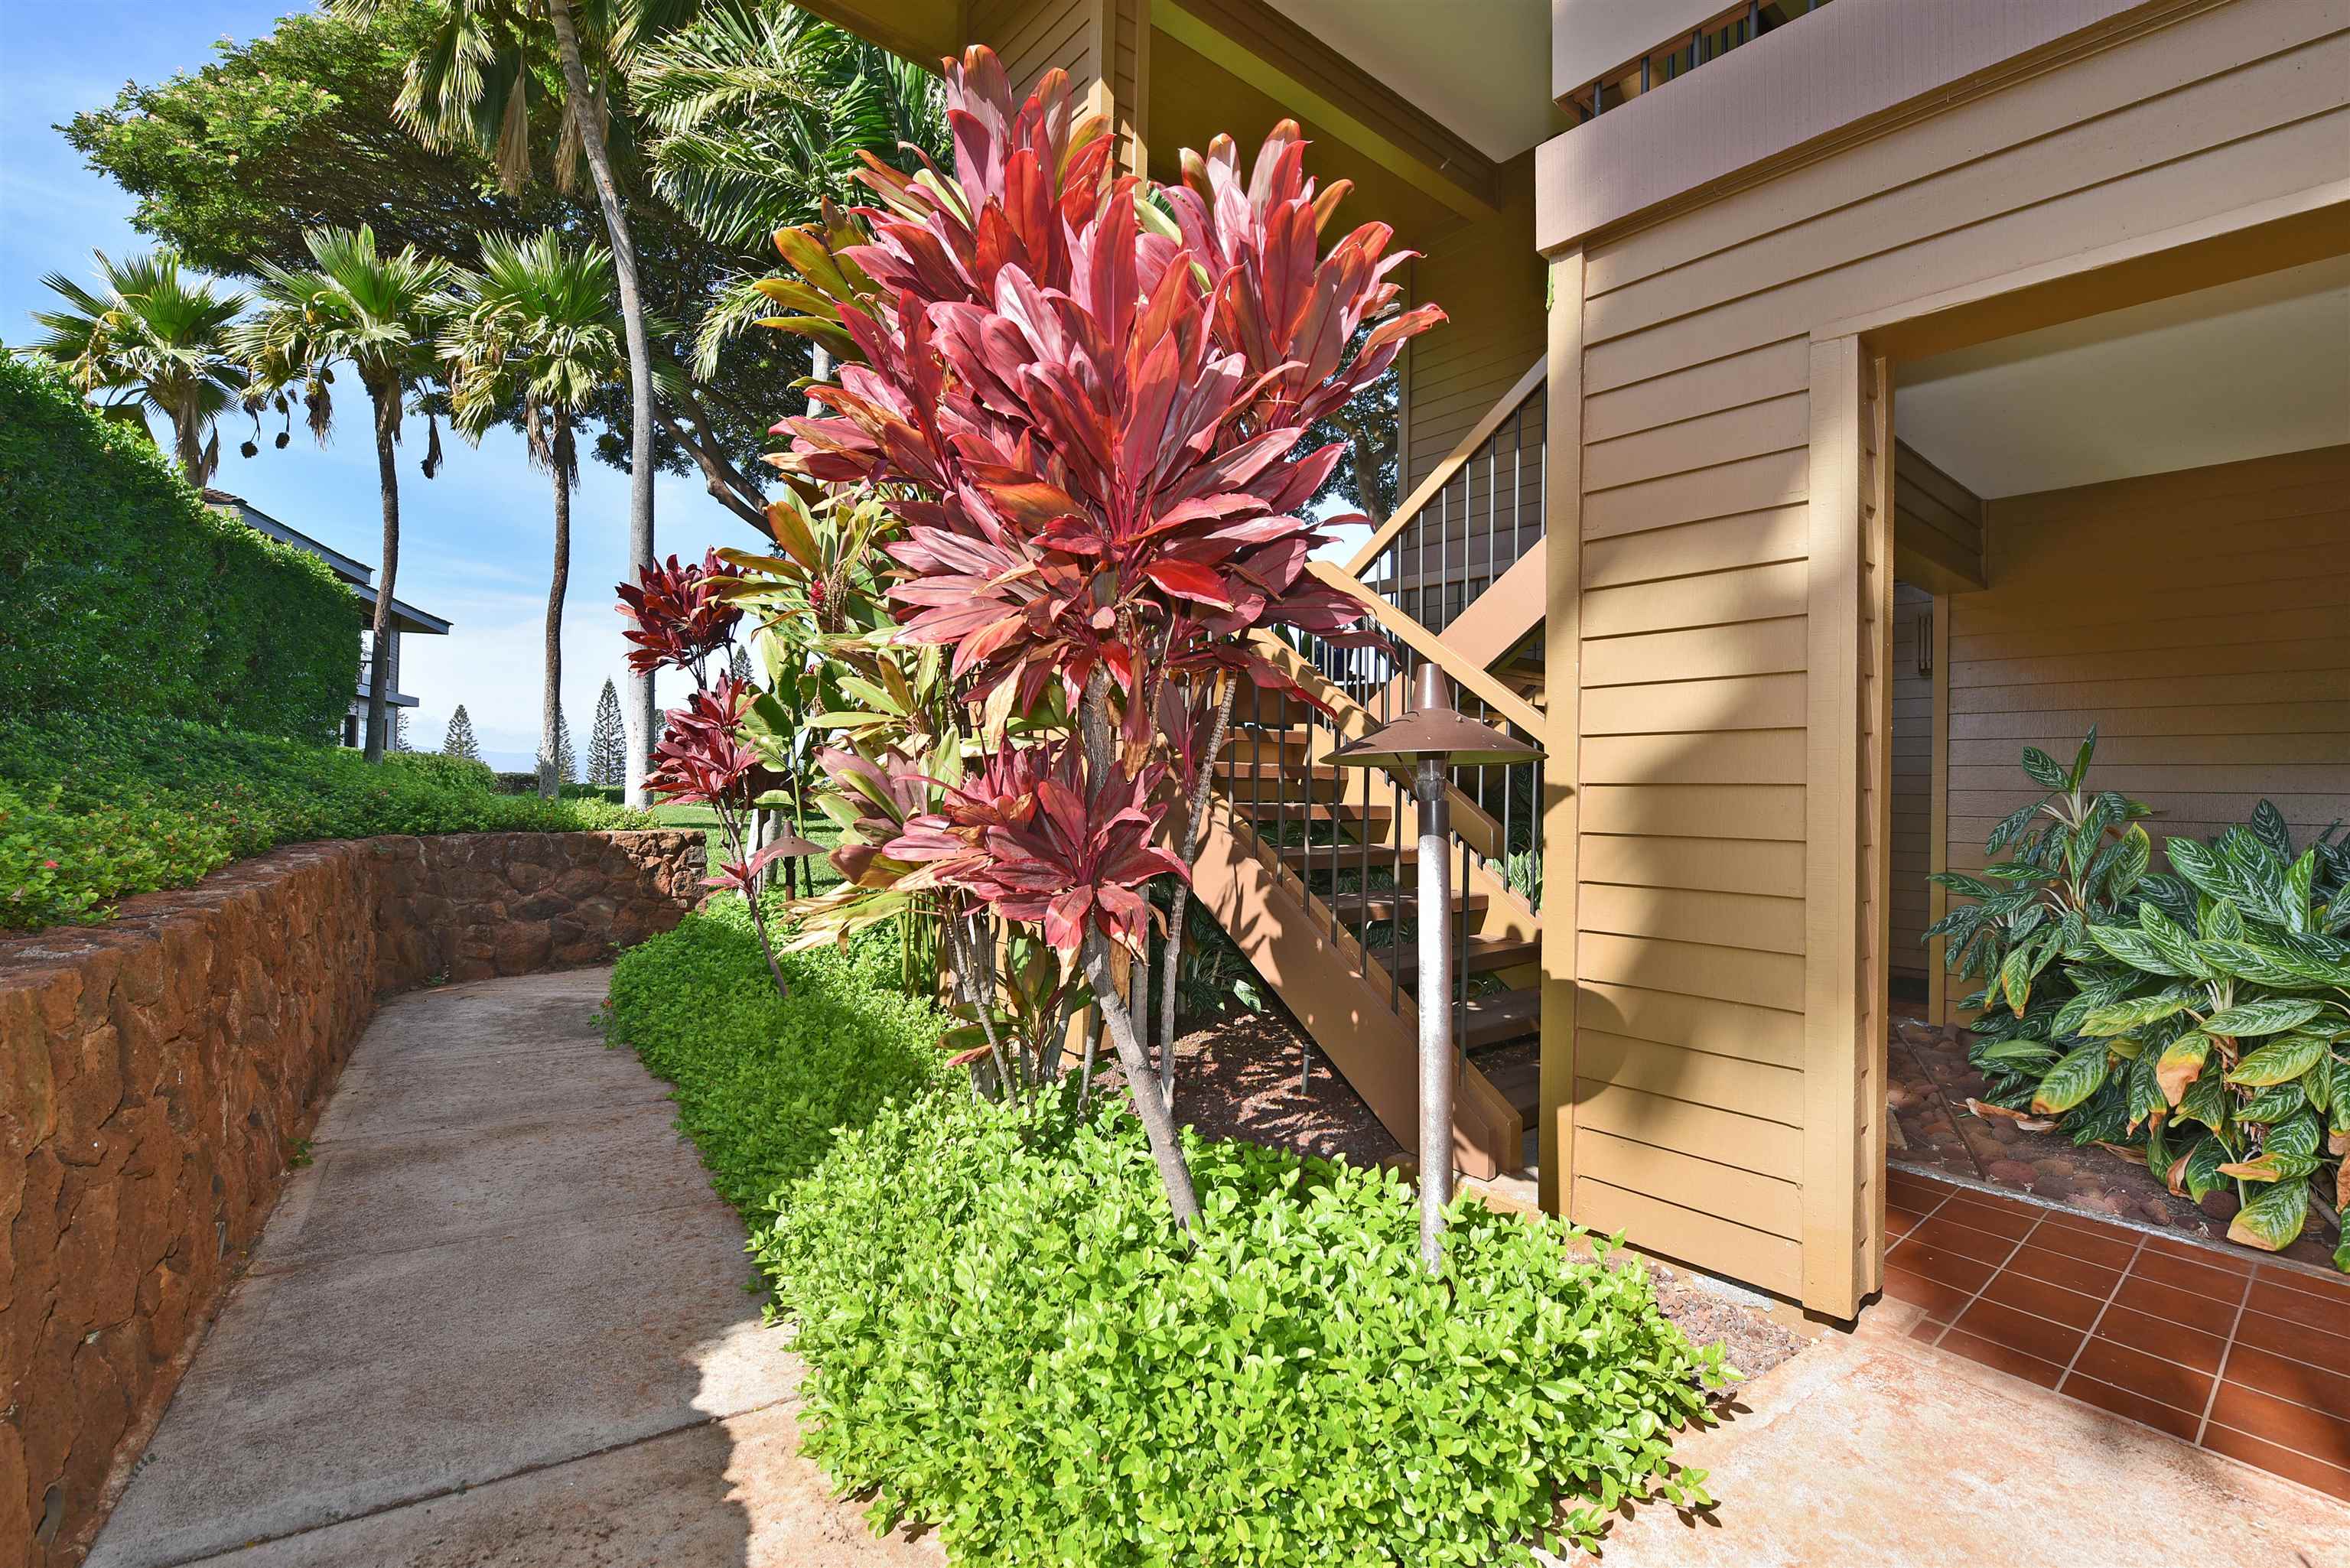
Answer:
x=819 y=830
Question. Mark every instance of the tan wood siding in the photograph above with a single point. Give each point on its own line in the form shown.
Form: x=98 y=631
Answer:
x=1698 y=342
x=1913 y=774
x=2129 y=606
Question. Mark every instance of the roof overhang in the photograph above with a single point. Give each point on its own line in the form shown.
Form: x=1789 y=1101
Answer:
x=406 y=617
x=1315 y=80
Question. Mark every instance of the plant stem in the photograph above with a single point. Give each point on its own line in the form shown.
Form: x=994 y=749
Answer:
x=730 y=824
x=1158 y=1123
x=1193 y=830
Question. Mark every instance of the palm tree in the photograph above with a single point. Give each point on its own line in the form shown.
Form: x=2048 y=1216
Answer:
x=759 y=113
x=375 y=314
x=150 y=340
x=477 y=80
x=535 y=332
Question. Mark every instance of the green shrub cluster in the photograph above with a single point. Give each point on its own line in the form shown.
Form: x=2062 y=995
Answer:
x=762 y=1081
x=120 y=590
x=1009 y=1337
x=96 y=808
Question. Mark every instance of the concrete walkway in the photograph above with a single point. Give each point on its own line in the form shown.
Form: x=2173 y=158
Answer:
x=1873 y=1449
x=500 y=1319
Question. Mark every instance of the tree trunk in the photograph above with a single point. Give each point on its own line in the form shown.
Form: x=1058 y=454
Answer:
x=1157 y=1125
x=387 y=431
x=637 y=710
x=550 y=705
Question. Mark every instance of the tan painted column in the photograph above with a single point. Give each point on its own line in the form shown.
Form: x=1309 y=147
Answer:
x=1104 y=45
x=1562 y=684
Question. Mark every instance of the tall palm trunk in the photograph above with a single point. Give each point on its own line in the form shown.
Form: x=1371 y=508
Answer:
x=386 y=433
x=550 y=783
x=637 y=710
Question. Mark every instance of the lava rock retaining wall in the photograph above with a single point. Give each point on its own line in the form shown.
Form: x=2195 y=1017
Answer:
x=158 y=1072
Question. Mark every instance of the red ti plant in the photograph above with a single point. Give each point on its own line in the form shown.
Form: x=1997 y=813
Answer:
x=1083 y=395
x=681 y=622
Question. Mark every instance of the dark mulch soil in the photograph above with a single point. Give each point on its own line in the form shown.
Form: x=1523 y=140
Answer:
x=1930 y=1083
x=1237 y=1077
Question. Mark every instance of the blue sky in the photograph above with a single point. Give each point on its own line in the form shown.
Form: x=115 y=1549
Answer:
x=475 y=542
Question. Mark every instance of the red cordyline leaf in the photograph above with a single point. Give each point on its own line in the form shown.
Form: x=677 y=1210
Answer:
x=701 y=759
x=1094 y=423
x=680 y=618
x=1034 y=839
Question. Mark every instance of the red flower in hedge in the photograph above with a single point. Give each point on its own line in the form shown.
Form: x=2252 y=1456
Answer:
x=680 y=620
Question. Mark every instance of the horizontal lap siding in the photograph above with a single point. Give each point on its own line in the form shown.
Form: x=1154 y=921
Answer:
x=1696 y=365
x=2140 y=568
x=1489 y=281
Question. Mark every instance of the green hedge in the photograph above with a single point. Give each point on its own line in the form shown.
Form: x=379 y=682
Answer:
x=93 y=809
x=1009 y=1338
x=120 y=591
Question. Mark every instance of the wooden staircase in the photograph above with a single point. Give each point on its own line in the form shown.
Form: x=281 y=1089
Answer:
x=1312 y=869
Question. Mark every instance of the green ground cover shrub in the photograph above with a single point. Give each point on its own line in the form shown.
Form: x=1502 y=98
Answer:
x=120 y=590
x=1009 y=1337
x=762 y=1082
x=94 y=809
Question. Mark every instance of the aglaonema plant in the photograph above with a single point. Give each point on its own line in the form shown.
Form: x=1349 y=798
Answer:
x=1082 y=396
x=2198 y=1019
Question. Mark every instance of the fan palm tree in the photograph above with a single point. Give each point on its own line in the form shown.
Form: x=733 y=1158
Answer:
x=376 y=314
x=150 y=340
x=478 y=80
x=536 y=332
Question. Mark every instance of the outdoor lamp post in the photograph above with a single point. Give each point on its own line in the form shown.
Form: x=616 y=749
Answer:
x=1432 y=738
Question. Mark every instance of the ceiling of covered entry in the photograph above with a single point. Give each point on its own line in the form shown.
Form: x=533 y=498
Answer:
x=2248 y=370
x=1482 y=69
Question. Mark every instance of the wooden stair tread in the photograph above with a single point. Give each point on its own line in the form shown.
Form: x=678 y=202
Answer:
x=1485 y=954
x=1266 y=811
x=1316 y=858
x=1501 y=1016
x=1382 y=903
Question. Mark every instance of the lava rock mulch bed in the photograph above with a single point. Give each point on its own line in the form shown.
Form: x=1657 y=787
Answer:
x=1237 y=1077
x=1927 y=1088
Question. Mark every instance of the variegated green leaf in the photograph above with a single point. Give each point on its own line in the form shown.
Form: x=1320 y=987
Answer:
x=2171 y=941
x=2015 y=978
x=2136 y=949
x=2207 y=1100
x=2145 y=1094
x=2270 y=1166
x=2268 y=1015
x=2201 y=1173
x=2132 y=1012
x=2273 y=1104
x=2280 y=1061
x=2020 y=1054
x=2299 y=1137
x=2273 y=1219
x=2072 y=1080
x=2046 y=771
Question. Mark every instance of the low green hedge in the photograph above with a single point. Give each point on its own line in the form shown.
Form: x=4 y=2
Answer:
x=122 y=590
x=1009 y=1338
x=94 y=809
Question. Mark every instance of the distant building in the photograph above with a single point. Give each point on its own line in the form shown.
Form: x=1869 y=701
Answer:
x=405 y=617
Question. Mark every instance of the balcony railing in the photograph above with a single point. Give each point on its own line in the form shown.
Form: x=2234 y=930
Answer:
x=1729 y=29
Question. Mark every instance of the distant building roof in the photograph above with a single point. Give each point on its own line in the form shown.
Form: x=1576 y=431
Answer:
x=358 y=574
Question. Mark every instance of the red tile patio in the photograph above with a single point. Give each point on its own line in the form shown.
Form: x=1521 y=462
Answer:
x=2244 y=1356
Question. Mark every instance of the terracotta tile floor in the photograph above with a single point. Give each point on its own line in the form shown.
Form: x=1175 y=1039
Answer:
x=2243 y=1356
